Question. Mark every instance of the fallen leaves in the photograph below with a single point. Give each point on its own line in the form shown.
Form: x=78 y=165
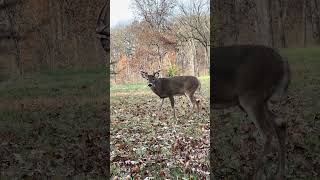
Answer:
x=149 y=144
x=47 y=145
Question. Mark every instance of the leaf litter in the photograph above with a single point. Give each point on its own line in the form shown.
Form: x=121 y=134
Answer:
x=146 y=143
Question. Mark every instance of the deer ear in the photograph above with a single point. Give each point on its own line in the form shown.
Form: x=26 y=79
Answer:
x=144 y=74
x=156 y=74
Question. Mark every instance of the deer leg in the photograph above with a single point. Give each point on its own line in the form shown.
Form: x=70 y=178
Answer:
x=243 y=110
x=281 y=134
x=172 y=105
x=190 y=100
x=257 y=112
x=160 y=109
x=197 y=101
x=194 y=101
x=280 y=127
x=262 y=156
x=162 y=99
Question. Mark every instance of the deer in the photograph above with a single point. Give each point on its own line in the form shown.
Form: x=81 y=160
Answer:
x=173 y=86
x=249 y=76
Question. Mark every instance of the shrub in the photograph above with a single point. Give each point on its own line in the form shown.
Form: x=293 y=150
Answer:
x=172 y=71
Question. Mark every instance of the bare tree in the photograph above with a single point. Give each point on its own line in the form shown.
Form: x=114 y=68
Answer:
x=281 y=22
x=316 y=19
x=11 y=11
x=103 y=26
x=262 y=23
x=103 y=30
x=274 y=23
x=155 y=12
x=194 y=24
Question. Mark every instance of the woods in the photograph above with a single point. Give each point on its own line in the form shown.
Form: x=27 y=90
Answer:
x=280 y=24
x=168 y=35
x=39 y=35
x=53 y=90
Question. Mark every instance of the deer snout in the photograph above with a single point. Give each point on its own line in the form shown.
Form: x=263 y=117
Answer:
x=149 y=84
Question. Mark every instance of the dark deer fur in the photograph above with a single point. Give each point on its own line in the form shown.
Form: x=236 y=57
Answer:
x=248 y=76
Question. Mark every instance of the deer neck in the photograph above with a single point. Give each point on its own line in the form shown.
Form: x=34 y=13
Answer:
x=157 y=87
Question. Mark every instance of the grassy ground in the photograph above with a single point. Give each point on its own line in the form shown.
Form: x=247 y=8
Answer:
x=234 y=136
x=145 y=143
x=52 y=124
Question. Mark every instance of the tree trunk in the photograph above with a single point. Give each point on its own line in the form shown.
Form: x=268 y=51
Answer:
x=16 y=41
x=207 y=56
x=271 y=23
x=194 y=59
x=281 y=23
x=263 y=22
x=304 y=20
x=18 y=57
x=317 y=14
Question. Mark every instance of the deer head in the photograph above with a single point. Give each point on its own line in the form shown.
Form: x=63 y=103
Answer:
x=152 y=78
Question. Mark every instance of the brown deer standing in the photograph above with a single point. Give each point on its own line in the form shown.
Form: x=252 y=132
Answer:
x=248 y=76
x=174 y=86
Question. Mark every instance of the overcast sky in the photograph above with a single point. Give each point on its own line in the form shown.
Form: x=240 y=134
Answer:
x=120 y=12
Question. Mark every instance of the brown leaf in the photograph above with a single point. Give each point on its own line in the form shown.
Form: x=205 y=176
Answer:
x=162 y=173
x=135 y=169
x=120 y=146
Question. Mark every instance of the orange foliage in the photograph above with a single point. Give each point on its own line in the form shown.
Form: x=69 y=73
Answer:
x=121 y=67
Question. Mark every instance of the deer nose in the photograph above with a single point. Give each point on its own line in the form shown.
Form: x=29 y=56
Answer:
x=149 y=84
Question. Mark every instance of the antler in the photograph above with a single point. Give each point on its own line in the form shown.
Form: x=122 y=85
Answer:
x=159 y=69
x=157 y=74
x=142 y=68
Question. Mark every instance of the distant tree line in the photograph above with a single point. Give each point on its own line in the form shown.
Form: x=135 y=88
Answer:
x=276 y=23
x=38 y=35
x=170 y=35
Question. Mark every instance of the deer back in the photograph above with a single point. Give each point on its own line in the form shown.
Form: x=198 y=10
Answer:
x=240 y=70
x=178 y=85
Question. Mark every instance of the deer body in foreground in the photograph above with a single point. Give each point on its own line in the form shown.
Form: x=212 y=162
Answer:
x=248 y=76
x=174 y=86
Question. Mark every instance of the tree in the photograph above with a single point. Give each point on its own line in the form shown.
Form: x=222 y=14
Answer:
x=262 y=23
x=11 y=10
x=194 y=24
x=103 y=26
x=155 y=12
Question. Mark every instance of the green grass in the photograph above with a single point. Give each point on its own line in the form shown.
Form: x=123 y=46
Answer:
x=305 y=65
x=128 y=87
x=142 y=86
x=57 y=83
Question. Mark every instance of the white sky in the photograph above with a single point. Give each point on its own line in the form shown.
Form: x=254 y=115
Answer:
x=120 y=12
